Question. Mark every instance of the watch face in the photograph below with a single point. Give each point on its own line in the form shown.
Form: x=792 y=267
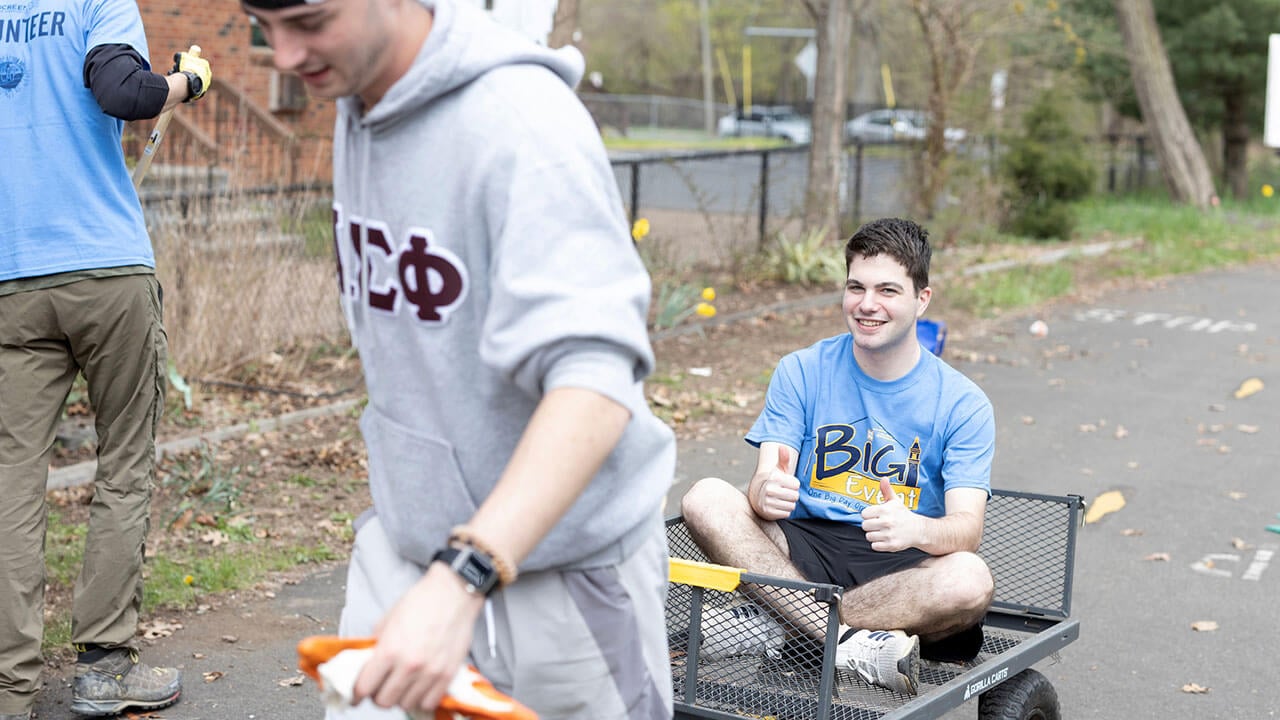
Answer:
x=473 y=573
x=474 y=567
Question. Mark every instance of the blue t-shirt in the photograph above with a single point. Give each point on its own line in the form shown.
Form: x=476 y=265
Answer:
x=929 y=431
x=66 y=199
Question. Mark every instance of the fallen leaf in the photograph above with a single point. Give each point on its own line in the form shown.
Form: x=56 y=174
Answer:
x=1249 y=387
x=1236 y=495
x=1240 y=544
x=155 y=629
x=1028 y=420
x=1194 y=689
x=214 y=537
x=1130 y=532
x=1204 y=626
x=213 y=675
x=230 y=639
x=1158 y=557
x=700 y=371
x=294 y=681
x=1247 y=429
x=197 y=655
x=1217 y=407
x=206 y=520
x=183 y=520
x=1088 y=428
x=1132 y=464
x=1224 y=449
x=1105 y=504
x=1121 y=433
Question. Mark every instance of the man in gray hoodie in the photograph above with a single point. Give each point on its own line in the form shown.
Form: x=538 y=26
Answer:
x=499 y=308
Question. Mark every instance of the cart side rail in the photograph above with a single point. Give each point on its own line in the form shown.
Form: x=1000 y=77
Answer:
x=1029 y=542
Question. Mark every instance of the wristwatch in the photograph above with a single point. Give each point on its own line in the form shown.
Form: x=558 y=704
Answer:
x=474 y=567
x=195 y=86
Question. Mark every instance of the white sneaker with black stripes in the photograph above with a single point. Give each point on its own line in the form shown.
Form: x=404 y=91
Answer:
x=888 y=658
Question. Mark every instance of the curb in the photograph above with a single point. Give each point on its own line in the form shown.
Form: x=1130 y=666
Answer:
x=83 y=472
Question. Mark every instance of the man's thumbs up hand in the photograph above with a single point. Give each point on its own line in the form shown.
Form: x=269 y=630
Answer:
x=890 y=526
x=780 y=490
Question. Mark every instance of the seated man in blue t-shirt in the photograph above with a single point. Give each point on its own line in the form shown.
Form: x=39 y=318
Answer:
x=848 y=422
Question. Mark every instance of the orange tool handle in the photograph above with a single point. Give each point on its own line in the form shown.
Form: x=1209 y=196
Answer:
x=470 y=694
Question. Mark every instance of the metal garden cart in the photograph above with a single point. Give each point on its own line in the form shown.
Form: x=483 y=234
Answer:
x=1028 y=542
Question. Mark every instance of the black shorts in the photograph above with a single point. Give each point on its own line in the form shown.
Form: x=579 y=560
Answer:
x=830 y=551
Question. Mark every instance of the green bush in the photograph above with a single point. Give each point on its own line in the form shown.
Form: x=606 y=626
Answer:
x=1042 y=219
x=1045 y=169
x=806 y=261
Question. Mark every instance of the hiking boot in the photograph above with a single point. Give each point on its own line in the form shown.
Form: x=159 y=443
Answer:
x=743 y=630
x=118 y=682
x=888 y=658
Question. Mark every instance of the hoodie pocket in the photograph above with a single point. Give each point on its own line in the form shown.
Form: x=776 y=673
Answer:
x=416 y=484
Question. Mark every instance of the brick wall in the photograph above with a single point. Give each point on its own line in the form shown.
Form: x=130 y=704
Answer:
x=224 y=34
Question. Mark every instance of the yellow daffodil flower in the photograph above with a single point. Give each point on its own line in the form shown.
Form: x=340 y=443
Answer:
x=640 y=229
x=709 y=294
x=706 y=310
x=1268 y=191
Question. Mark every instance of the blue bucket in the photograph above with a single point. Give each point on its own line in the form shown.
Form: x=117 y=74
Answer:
x=932 y=335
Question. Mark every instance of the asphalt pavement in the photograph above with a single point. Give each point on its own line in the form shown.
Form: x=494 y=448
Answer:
x=1144 y=392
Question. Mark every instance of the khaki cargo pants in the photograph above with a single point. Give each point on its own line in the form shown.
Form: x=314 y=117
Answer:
x=111 y=330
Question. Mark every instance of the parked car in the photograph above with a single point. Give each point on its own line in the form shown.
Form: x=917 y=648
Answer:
x=780 y=121
x=892 y=125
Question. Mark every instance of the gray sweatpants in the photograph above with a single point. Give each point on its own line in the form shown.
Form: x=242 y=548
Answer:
x=111 y=329
x=591 y=644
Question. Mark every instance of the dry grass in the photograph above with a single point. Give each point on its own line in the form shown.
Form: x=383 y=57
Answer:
x=237 y=287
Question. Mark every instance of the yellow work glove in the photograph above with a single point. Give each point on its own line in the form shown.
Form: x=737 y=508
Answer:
x=199 y=75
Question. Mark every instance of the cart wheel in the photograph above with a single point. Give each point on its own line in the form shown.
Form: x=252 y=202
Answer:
x=1025 y=696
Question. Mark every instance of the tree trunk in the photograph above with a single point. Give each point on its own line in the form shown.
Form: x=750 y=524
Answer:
x=1235 y=144
x=1181 y=158
x=834 y=21
x=867 y=85
x=566 y=23
x=951 y=47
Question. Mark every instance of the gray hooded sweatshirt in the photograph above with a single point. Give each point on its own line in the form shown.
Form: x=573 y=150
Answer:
x=484 y=260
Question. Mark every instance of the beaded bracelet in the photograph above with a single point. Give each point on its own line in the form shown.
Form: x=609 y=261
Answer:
x=506 y=571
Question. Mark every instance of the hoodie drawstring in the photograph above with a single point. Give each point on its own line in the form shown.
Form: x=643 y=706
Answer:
x=489 y=628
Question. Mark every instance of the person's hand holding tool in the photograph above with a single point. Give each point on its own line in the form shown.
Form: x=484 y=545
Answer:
x=199 y=74
x=335 y=662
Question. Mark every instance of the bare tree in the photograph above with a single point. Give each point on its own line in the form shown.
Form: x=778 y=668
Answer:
x=834 y=21
x=866 y=81
x=565 y=24
x=1182 y=160
x=951 y=44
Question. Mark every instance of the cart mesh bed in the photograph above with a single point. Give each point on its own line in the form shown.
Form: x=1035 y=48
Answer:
x=1029 y=544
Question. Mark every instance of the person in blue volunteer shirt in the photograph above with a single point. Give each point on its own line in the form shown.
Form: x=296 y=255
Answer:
x=78 y=294
x=873 y=474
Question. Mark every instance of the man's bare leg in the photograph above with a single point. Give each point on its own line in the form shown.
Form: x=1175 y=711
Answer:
x=722 y=523
x=939 y=597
